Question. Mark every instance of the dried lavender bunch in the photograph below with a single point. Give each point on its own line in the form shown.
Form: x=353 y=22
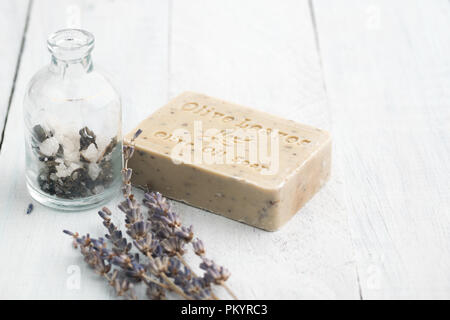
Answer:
x=97 y=256
x=161 y=238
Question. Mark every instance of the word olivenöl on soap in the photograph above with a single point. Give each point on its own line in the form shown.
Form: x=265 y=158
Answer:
x=235 y=161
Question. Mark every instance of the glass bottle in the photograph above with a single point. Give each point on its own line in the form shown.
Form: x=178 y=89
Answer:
x=73 y=122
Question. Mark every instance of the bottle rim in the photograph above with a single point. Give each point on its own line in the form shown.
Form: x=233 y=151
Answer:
x=70 y=44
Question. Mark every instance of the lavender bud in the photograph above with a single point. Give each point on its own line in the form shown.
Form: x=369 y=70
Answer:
x=126 y=174
x=184 y=233
x=126 y=190
x=70 y=233
x=107 y=211
x=199 y=248
x=155 y=292
x=136 y=134
x=104 y=216
x=128 y=152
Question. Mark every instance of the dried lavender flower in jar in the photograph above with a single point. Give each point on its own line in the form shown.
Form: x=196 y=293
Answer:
x=73 y=125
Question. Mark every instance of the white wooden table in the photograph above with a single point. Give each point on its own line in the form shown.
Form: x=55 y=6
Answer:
x=374 y=73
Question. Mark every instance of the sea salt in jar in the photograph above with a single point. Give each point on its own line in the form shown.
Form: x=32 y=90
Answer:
x=73 y=126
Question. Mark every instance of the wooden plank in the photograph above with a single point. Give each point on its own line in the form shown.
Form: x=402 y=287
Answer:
x=133 y=52
x=41 y=263
x=263 y=54
x=386 y=67
x=13 y=16
x=310 y=258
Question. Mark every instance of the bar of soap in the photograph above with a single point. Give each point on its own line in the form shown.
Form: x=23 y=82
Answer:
x=264 y=192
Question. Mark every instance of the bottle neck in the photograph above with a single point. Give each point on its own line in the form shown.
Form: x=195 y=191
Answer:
x=71 y=68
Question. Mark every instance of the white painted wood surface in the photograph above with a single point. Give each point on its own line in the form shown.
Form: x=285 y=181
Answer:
x=387 y=72
x=12 y=23
x=374 y=73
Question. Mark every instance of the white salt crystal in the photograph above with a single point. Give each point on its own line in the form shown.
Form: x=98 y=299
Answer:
x=98 y=189
x=72 y=156
x=70 y=142
x=73 y=166
x=102 y=143
x=49 y=146
x=53 y=124
x=94 y=170
x=64 y=171
x=91 y=153
x=61 y=170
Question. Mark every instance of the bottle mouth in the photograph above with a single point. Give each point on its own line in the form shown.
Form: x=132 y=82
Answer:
x=70 y=44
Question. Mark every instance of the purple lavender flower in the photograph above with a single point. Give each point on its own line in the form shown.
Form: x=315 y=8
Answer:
x=155 y=292
x=214 y=273
x=136 y=134
x=173 y=246
x=183 y=277
x=139 y=230
x=147 y=245
x=174 y=267
x=126 y=174
x=159 y=265
x=156 y=202
x=199 y=248
x=123 y=261
x=124 y=287
x=160 y=237
x=128 y=152
x=185 y=233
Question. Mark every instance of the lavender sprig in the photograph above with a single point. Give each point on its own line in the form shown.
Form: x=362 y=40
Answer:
x=160 y=237
x=97 y=257
x=172 y=236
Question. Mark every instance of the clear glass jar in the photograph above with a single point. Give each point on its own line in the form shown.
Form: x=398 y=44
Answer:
x=73 y=122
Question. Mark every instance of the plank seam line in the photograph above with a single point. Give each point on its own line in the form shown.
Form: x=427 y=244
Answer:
x=316 y=40
x=169 y=47
x=319 y=53
x=359 y=281
x=16 y=71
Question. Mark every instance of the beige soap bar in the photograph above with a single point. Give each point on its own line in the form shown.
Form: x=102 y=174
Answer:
x=257 y=185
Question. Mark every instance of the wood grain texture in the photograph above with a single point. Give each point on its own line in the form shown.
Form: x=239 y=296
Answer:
x=386 y=67
x=218 y=50
x=13 y=16
x=41 y=263
x=263 y=54
x=379 y=82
